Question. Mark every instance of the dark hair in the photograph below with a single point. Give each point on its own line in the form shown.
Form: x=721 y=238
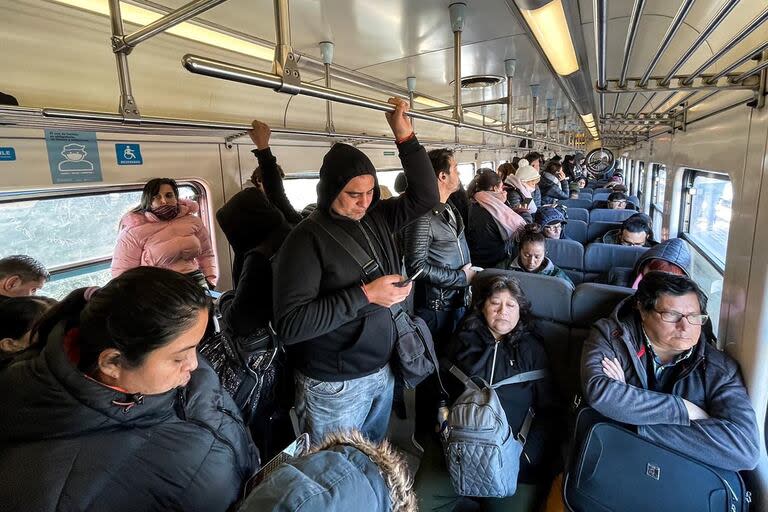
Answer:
x=568 y=159
x=533 y=155
x=26 y=267
x=401 y=183
x=531 y=234
x=636 y=224
x=255 y=175
x=441 y=160
x=484 y=287
x=151 y=189
x=139 y=311
x=617 y=196
x=553 y=167
x=505 y=170
x=516 y=162
x=620 y=188
x=18 y=315
x=655 y=284
x=486 y=180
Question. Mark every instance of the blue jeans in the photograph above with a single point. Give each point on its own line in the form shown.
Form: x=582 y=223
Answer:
x=363 y=404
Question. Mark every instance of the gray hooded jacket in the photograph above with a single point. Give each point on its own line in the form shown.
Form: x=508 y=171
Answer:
x=710 y=379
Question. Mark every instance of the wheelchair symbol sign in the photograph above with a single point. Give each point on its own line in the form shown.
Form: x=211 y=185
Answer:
x=128 y=154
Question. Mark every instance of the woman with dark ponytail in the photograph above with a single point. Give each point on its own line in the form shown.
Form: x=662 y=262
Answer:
x=165 y=231
x=117 y=412
x=532 y=254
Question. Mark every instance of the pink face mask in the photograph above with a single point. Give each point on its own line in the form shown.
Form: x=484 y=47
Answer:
x=166 y=212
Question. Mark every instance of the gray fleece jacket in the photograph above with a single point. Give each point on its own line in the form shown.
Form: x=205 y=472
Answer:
x=710 y=379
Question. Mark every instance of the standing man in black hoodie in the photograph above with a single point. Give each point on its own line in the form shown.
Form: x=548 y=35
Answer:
x=338 y=328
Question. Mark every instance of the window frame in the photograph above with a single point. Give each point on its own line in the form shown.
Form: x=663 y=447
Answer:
x=82 y=267
x=686 y=207
x=657 y=206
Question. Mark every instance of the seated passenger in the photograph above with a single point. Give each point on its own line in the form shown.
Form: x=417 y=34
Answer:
x=496 y=341
x=554 y=184
x=116 y=410
x=634 y=232
x=573 y=191
x=551 y=221
x=165 y=231
x=520 y=188
x=651 y=365
x=343 y=473
x=531 y=255
x=20 y=276
x=492 y=224
x=18 y=317
x=617 y=201
x=583 y=182
x=672 y=256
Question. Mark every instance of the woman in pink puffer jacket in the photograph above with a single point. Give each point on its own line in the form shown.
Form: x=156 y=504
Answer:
x=165 y=231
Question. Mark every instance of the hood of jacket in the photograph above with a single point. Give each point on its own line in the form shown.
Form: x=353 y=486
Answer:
x=551 y=178
x=674 y=250
x=248 y=219
x=342 y=163
x=132 y=219
x=345 y=473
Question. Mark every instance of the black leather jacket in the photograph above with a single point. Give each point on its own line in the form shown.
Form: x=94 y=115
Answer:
x=433 y=245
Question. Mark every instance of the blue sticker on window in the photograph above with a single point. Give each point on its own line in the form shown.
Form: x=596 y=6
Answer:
x=128 y=154
x=7 y=154
x=73 y=156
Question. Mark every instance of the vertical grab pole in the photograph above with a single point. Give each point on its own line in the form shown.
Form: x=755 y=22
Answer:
x=411 y=84
x=457 y=13
x=127 y=107
x=509 y=67
x=326 y=50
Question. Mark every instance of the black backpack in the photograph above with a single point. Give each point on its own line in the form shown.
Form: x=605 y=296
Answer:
x=613 y=469
x=254 y=371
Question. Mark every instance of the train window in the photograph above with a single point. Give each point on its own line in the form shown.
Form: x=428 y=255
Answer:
x=488 y=164
x=641 y=183
x=466 y=173
x=705 y=222
x=658 y=187
x=72 y=233
x=301 y=188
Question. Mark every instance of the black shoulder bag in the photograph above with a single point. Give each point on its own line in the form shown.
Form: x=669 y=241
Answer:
x=416 y=358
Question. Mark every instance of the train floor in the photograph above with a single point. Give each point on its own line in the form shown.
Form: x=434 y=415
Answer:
x=431 y=482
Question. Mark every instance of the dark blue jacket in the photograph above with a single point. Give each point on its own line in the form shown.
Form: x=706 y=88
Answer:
x=68 y=442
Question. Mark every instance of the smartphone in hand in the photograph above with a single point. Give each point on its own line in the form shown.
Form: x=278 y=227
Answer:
x=407 y=280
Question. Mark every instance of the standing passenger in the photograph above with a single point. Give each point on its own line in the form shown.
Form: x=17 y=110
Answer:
x=554 y=184
x=521 y=187
x=435 y=244
x=20 y=276
x=338 y=328
x=18 y=317
x=165 y=231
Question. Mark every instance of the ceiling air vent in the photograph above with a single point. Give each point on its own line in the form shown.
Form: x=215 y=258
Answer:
x=480 y=81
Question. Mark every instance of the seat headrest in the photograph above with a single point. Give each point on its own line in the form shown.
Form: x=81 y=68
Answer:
x=593 y=301
x=566 y=253
x=550 y=297
x=602 y=257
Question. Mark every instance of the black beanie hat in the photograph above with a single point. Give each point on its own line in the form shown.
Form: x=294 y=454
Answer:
x=342 y=163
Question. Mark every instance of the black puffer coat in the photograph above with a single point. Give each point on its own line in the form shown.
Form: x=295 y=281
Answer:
x=68 y=442
x=472 y=351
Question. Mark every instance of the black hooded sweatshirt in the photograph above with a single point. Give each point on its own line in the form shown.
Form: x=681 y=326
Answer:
x=321 y=311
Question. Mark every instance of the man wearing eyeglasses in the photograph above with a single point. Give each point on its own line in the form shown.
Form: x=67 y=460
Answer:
x=650 y=364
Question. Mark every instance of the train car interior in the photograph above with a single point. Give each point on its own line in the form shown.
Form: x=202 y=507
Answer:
x=666 y=98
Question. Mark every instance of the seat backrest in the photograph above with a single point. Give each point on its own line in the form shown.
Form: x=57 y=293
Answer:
x=566 y=254
x=578 y=214
x=576 y=230
x=550 y=297
x=600 y=196
x=608 y=215
x=593 y=301
x=599 y=258
x=585 y=195
x=602 y=190
x=577 y=203
x=634 y=200
x=596 y=230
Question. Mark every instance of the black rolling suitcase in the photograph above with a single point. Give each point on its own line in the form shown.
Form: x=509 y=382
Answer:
x=614 y=470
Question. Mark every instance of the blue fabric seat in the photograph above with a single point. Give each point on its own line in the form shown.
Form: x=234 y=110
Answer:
x=596 y=230
x=569 y=256
x=576 y=230
x=577 y=203
x=578 y=214
x=600 y=196
x=600 y=258
x=608 y=215
x=585 y=195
